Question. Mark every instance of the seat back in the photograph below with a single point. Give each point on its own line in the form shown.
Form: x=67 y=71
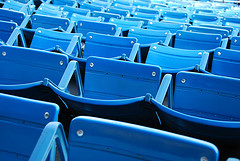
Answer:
x=118 y=79
x=16 y=6
x=124 y=141
x=222 y=32
x=197 y=41
x=130 y=8
x=107 y=46
x=85 y=26
x=172 y=27
x=228 y=28
x=106 y=15
x=139 y=3
x=144 y=20
x=23 y=65
x=48 y=11
x=91 y=7
x=175 y=16
x=6 y=29
x=148 y=36
x=226 y=62
x=207 y=96
x=76 y=17
x=126 y=25
x=13 y=16
x=147 y=10
x=231 y=21
x=79 y=11
x=64 y=2
x=235 y=43
x=22 y=121
x=121 y=12
x=199 y=19
x=49 y=22
x=163 y=56
x=146 y=15
x=100 y=3
x=45 y=39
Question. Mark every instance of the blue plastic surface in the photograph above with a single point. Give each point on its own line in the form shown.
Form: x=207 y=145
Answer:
x=119 y=79
x=109 y=46
x=171 y=26
x=197 y=41
x=226 y=62
x=22 y=121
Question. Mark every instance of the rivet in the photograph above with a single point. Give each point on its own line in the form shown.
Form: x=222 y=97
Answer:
x=179 y=34
x=193 y=15
x=74 y=15
x=235 y=40
x=203 y=159
x=79 y=133
x=66 y=23
x=35 y=19
x=112 y=20
x=165 y=33
x=61 y=62
x=154 y=47
x=40 y=8
x=181 y=26
x=219 y=53
x=183 y=80
x=132 y=29
x=165 y=12
x=80 y=24
x=224 y=34
x=46 y=115
x=4 y=53
x=112 y=28
x=39 y=31
x=151 y=23
x=217 y=38
x=90 y=37
x=154 y=74
x=190 y=30
x=135 y=13
x=108 y=9
x=116 y=5
x=91 y=65
x=132 y=42
x=200 y=53
x=11 y=27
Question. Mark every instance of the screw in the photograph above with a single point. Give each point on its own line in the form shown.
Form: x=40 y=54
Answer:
x=46 y=115
x=132 y=42
x=90 y=37
x=91 y=65
x=179 y=34
x=4 y=53
x=154 y=74
x=79 y=133
x=219 y=53
x=235 y=40
x=200 y=53
x=183 y=80
x=154 y=47
x=203 y=159
x=61 y=62
x=39 y=31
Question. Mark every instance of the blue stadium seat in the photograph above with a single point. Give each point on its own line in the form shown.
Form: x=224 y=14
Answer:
x=118 y=140
x=198 y=19
x=91 y=7
x=226 y=63
x=51 y=22
x=139 y=3
x=110 y=46
x=231 y=30
x=148 y=16
x=130 y=8
x=231 y=21
x=76 y=17
x=10 y=34
x=198 y=41
x=205 y=106
x=100 y=3
x=144 y=20
x=184 y=60
x=147 y=10
x=175 y=16
x=49 y=10
x=22 y=122
x=171 y=26
x=79 y=11
x=122 y=12
x=17 y=6
x=106 y=15
x=123 y=2
x=235 y=45
x=209 y=30
x=66 y=43
x=71 y=3
x=24 y=66
x=15 y=16
x=126 y=25
x=85 y=26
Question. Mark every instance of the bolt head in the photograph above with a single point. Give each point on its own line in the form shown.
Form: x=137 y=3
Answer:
x=219 y=53
x=4 y=53
x=154 y=74
x=200 y=53
x=79 y=132
x=90 y=37
x=183 y=81
x=39 y=31
x=235 y=40
x=46 y=115
x=61 y=62
x=132 y=42
x=91 y=65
